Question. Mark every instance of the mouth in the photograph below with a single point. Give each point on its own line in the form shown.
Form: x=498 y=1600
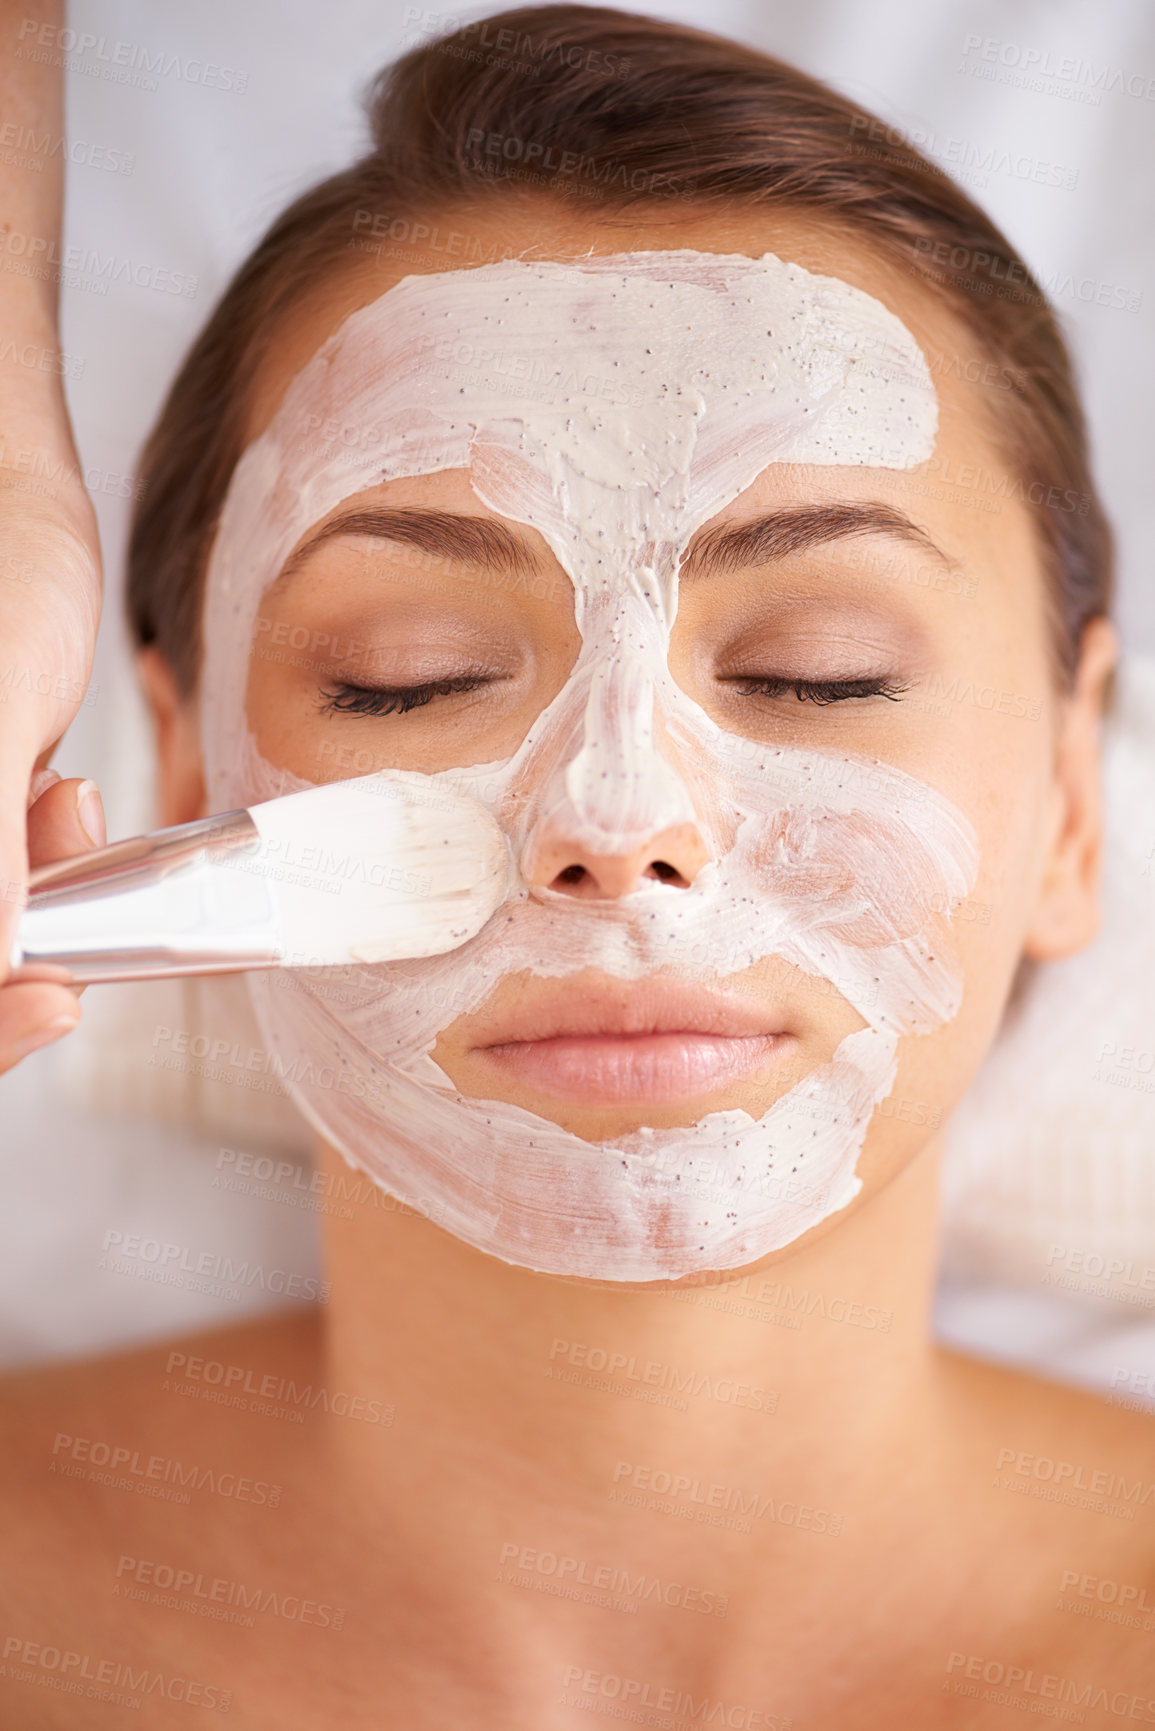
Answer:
x=614 y=1042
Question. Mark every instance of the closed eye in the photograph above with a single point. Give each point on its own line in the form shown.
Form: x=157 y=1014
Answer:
x=378 y=700
x=345 y=699
x=819 y=690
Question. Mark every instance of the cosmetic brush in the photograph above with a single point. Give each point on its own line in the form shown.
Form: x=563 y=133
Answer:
x=374 y=869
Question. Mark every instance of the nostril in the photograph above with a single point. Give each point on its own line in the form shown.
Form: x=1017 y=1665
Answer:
x=565 y=866
x=616 y=877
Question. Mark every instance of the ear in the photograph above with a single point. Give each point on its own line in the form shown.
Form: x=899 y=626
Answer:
x=181 y=788
x=1067 y=914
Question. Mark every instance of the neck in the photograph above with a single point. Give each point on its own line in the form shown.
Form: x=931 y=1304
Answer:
x=803 y=1373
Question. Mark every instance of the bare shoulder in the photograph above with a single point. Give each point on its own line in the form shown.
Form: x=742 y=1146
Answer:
x=1063 y=1483
x=178 y=1385
x=1057 y=1434
x=132 y=1506
x=121 y=1444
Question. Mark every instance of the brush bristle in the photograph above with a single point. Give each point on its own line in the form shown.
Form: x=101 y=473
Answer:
x=380 y=869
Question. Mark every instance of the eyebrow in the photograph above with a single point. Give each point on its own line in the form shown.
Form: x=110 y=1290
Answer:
x=477 y=541
x=487 y=544
x=793 y=529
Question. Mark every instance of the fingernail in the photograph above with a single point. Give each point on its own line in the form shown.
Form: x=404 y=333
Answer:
x=42 y=1036
x=40 y=783
x=90 y=811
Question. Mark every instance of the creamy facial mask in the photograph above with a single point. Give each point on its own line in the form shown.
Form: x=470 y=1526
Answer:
x=614 y=405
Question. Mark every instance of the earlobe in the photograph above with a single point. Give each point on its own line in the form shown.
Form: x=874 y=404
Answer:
x=1066 y=917
x=181 y=785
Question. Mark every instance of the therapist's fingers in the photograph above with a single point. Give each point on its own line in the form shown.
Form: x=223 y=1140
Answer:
x=49 y=547
x=32 y=1015
x=65 y=818
x=49 y=609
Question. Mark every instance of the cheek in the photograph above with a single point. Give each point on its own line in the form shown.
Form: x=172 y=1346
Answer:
x=288 y=731
x=987 y=934
x=1011 y=791
x=504 y=664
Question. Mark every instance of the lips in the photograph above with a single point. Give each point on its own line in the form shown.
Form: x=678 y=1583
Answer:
x=603 y=1042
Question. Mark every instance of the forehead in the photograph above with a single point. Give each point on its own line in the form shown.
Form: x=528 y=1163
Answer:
x=610 y=368
x=614 y=403
x=542 y=236
x=967 y=442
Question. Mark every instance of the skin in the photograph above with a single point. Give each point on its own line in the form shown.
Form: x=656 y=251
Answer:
x=49 y=554
x=501 y=1439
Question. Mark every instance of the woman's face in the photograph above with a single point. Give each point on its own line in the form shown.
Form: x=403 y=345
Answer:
x=892 y=618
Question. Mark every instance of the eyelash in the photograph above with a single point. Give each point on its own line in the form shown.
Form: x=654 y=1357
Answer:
x=393 y=700
x=822 y=690
x=400 y=700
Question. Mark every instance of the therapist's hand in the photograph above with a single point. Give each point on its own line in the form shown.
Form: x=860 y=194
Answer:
x=49 y=611
x=64 y=819
x=49 y=553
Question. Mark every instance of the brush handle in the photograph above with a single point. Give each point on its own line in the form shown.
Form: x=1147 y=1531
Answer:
x=153 y=906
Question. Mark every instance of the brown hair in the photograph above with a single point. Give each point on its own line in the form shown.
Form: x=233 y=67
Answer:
x=556 y=101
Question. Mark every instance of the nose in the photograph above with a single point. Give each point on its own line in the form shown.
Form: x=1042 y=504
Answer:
x=619 y=814
x=561 y=862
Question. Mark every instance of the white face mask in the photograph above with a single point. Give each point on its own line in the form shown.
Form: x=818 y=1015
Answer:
x=615 y=406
